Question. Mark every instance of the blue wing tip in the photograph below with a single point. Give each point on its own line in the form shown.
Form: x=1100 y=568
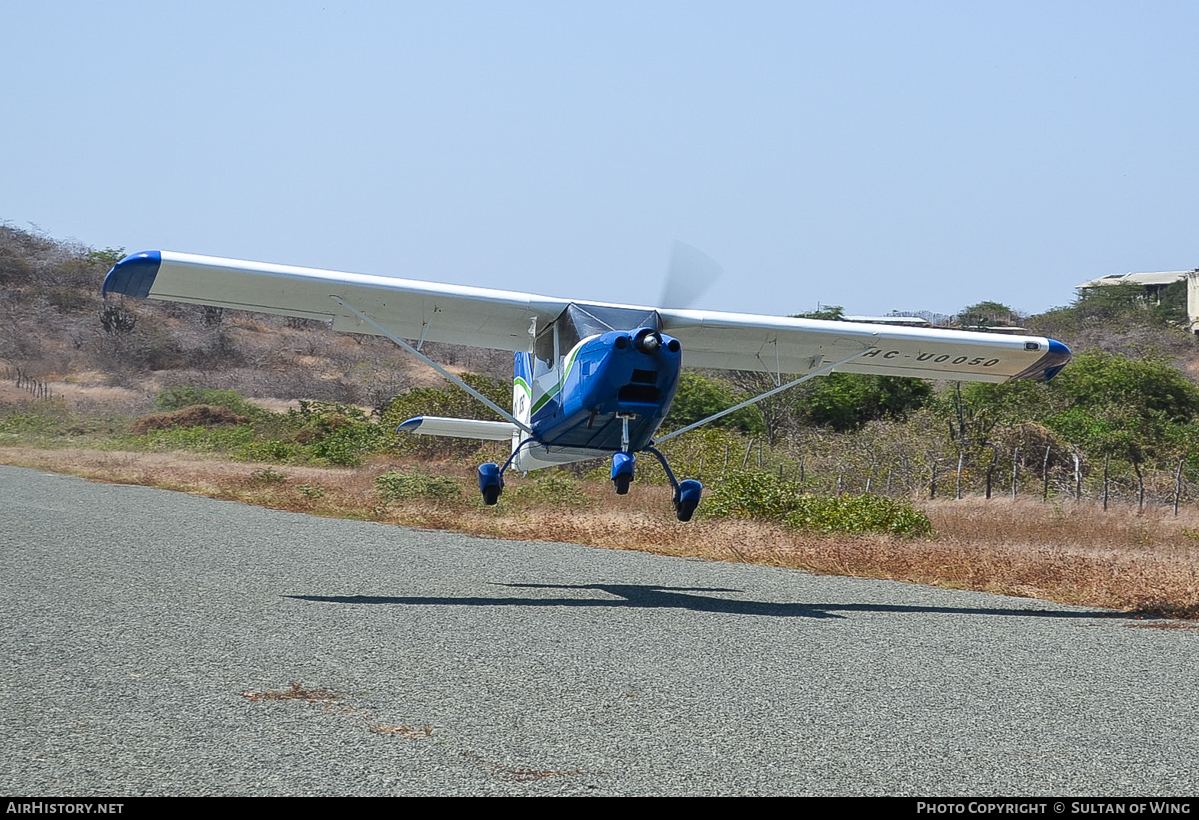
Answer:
x=1053 y=361
x=411 y=425
x=1057 y=358
x=133 y=275
x=1049 y=365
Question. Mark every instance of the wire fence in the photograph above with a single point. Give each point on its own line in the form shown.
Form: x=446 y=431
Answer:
x=22 y=380
x=940 y=470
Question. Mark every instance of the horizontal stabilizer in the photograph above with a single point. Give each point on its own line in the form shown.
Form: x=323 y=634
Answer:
x=459 y=428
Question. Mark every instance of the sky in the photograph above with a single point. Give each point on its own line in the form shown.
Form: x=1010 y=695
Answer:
x=875 y=155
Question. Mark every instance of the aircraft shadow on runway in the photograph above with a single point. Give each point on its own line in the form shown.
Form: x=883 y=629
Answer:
x=658 y=597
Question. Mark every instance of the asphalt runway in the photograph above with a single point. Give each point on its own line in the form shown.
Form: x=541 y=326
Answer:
x=134 y=622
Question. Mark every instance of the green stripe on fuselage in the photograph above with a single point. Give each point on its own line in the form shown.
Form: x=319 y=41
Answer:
x=557 y=388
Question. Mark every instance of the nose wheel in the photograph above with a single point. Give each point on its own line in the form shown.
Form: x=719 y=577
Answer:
x=623 y=471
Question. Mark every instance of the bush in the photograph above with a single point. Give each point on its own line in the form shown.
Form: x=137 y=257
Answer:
x=858 y=514
x=553 y=487
x=847 y=401
x=200 y=415
x=282 y=452
x=701 y=396
x=179 y=397
x=766 y=496
x=397 y=486
x=200 y=439
x=335 y=433
x=745 y=494
x=448 y=401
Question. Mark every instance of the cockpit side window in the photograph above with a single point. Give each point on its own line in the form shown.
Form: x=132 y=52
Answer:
x=545 y=352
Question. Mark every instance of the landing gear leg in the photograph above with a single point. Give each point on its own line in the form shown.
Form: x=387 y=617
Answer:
x=686 y=493
x=623 y=462
x=622 y=471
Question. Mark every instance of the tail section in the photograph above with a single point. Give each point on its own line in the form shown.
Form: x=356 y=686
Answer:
x=522 y=394
x=529 y=457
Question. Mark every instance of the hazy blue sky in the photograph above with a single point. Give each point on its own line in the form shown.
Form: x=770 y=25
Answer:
x=876 y=155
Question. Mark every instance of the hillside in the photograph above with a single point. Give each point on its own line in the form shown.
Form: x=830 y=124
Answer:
x=115 y=355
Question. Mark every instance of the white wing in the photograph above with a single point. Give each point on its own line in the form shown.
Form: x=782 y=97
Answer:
x=502 y=319
x=413 y=310
x=733 y=341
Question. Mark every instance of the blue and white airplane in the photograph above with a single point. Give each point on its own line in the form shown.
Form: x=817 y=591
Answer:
x=590 y=379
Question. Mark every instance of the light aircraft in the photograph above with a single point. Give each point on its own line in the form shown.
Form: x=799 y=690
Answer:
x=590 y=379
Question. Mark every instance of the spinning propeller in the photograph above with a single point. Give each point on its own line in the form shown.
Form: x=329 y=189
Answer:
x=690 y=273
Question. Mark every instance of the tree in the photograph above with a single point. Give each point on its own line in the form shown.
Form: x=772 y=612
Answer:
x=987 y=314
x=1144 y=387
x=1130 y=408
x=846 y=401
x=701 y=396
x=828 y=313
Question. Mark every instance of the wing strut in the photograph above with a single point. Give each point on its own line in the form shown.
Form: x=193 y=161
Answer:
x=409 y=348
x=765 y=395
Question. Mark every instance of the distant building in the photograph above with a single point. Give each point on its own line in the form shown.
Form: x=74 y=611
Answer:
x=1153 y=283
x=1156 y=282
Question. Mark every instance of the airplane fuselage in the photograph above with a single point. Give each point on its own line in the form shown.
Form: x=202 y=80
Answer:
x=602 y=378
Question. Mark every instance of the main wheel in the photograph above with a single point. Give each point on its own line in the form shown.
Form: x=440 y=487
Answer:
x=687 y=498
x=621 y=482
x=491 y=495
x=685 y=509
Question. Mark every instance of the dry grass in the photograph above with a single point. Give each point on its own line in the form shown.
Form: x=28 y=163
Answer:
x=1074 y=554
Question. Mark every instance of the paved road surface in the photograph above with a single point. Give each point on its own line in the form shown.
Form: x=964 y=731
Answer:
x=133 y=621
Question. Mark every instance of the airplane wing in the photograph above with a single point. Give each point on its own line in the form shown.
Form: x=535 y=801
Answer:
x=732 y=341
x=502 y=320
x=479 y=317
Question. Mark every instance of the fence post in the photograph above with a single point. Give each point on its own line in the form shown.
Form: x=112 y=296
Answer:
x=1136 y=465
x=1178 y=485
x=1107 y=460
x=1045 y=475
x=1077 y=477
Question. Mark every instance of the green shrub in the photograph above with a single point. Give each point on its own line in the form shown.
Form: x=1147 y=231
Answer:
x=201 y=439
x=553 y=487
x=766 y=496
x=281 y=452
x=398 y=486
x=267 y=476
x=448 y=401
x=335 y=433
x=858 y=514
x=746 y=494
x=176 y=398
x=32 y=423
